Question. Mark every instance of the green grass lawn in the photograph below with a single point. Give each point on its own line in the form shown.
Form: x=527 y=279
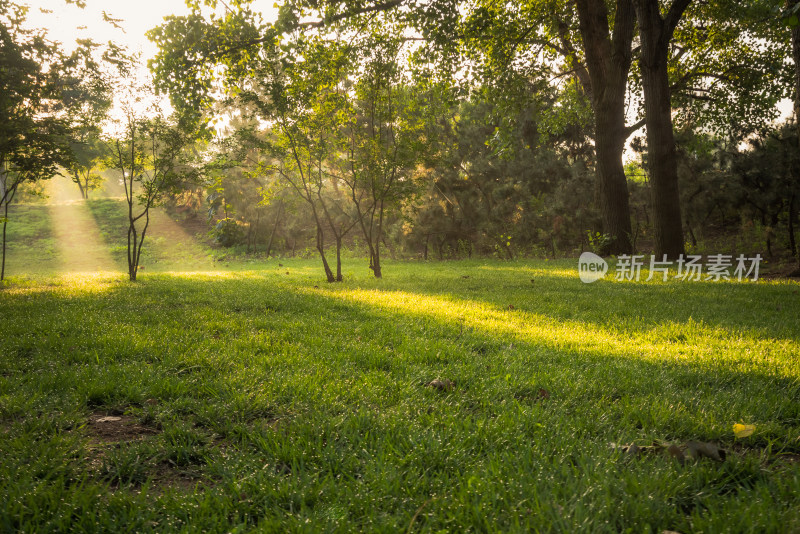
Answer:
x=267 y=399
x=31 y=247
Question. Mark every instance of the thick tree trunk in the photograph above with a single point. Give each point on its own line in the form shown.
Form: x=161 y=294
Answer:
x=608 y=61
x=656 y=33
x=796 y=57
x=614 y=195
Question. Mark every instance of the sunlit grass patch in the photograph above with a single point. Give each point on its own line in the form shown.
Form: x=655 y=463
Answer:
x=267 y=400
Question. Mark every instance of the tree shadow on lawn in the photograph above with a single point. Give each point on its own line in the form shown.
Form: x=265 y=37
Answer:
x=674 y=310
x=346 y=337
x=341 y=374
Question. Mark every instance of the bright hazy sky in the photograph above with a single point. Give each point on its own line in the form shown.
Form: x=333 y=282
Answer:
x=68 y=22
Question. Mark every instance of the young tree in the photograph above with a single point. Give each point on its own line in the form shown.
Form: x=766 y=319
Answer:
x=383 y=142
x=88 y=151
x=148 y=150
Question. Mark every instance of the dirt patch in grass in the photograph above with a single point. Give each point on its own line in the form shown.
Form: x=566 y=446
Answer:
x=105 y=428
x=165 y=476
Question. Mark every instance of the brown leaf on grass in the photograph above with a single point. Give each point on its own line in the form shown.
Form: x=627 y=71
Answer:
x=543 y=393
x=151 y=402
x=701 y=449
x=441 y=384
x=464 y=277
x=510 y=306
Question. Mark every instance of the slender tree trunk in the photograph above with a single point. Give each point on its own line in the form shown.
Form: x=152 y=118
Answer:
x=5 y=223
x=792 y=217
x=274 y=228
x=255 y=231
x=7 y=196
x=656 y=34
x=339 y=258
x=80 y=185
x=132 y=240
x=608 y=61
x=248 y=238
x=376 y=264
x=321 y=250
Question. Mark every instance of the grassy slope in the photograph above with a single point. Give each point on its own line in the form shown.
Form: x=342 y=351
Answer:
x=30 y=246
x=284 y=402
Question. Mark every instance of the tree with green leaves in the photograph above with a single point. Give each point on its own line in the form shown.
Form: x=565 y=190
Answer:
x=35 y=118
x=383 y=141
x=149 y=150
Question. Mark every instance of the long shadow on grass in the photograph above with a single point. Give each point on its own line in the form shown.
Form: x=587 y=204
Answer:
x=351 y=339
x=320 y=396
x=673 y=310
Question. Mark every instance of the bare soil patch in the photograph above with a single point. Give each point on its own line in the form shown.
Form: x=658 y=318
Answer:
x=106 y=428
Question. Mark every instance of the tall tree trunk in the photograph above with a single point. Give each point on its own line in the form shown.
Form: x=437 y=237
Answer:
x=5 y=223
x=792 y=217
x=274 y=228
x=656 y=34
x=339 y=258
x=321 y=249
x=796 y=57
x=78 y=181
x=614 y=196
x=376 y=263
x=608 y=61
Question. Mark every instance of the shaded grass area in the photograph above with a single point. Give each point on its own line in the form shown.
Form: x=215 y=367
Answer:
x=261 y=399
